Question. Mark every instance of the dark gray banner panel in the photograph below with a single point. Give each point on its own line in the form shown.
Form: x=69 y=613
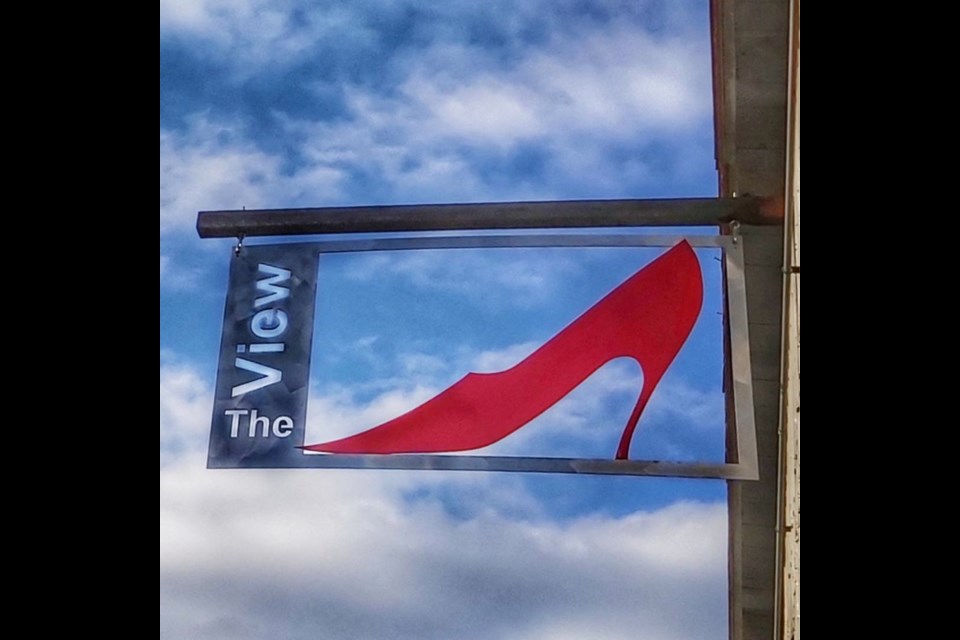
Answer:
x=264 y=369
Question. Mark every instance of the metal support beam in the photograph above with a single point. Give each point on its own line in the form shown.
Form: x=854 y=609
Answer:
x=492 y=215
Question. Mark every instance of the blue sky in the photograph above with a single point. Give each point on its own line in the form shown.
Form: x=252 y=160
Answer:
x=288 y=103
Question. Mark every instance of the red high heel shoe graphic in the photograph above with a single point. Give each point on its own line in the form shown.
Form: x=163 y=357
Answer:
x=648 y=317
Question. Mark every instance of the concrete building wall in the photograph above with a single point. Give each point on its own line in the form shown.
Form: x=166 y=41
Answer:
x=757 y=130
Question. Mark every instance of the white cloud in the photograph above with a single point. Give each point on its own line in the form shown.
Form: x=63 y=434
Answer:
x=294 y=554
x=176 y=275
x=615 y=82
x=496 y=360
x=196 y=174
x=249 y=36
x=675 y=399
x=185 y=404
x=492 y=278
x=484 y=110
x=422 y=364
x=443 y=123
x=341 y=554
x=211 y=166
x=339 y=411
x=190 y=15
x=455 y=111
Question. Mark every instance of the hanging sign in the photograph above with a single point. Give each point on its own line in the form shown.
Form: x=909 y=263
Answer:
x=263 y=379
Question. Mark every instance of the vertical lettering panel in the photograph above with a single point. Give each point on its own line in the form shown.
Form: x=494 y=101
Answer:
x=264 y=368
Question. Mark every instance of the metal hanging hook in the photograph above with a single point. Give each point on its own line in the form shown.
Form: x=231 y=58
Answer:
x=735 y=231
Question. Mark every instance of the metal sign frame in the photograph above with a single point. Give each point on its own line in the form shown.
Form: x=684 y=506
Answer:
x=741 y=461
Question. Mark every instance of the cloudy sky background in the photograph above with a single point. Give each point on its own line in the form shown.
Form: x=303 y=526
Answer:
x=292 y=103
